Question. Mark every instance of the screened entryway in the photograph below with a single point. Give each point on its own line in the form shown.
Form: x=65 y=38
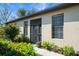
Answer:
x=35 y=30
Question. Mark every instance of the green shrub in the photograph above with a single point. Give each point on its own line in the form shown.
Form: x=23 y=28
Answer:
x=55 y=49
x=11 y=31
x=23 y=48
x=22 y=38
x=68 y=51
x=48 y=45
x=8 y=48
x=39 y=44
x=2 y=31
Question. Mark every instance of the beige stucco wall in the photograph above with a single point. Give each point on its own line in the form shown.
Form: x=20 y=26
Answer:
x=71 y=27
x=21 y=25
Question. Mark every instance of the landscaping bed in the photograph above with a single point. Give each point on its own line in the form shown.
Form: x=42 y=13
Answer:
x=66 y=50
x=9 y=48
x=17 y=44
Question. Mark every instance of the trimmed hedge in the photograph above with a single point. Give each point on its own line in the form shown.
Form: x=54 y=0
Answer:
x=8 y=48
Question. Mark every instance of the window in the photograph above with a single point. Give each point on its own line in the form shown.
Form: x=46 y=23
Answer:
x=26 y=27
x=57 y=26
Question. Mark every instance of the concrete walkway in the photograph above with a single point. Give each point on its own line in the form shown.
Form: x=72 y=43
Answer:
x=45 y=52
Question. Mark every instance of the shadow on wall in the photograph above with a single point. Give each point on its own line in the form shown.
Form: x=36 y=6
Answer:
x=71 y=19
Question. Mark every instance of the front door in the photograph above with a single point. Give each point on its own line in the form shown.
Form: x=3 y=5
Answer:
x=35 y=31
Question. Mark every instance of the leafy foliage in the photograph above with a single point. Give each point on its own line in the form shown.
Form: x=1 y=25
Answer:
x=67 y=50
x=11 y=31
x=8 y=48
x=48 y=45
x=21 y=12
x=22 y=38
x=39 y=44
x=32 y=11
x=2 y=31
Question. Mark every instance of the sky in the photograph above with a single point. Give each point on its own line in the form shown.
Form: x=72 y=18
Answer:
x=38 y=6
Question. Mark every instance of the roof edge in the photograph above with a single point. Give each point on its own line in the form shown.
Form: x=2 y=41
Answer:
x=60 y=6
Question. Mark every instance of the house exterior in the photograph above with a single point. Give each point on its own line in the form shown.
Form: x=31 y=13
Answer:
x=59 y=25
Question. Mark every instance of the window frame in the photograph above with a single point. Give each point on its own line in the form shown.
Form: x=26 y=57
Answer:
x=54 y=37
x=25 y=31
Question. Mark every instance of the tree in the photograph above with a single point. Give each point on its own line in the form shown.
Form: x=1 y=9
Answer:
x=32 y=11
x=11 y=31
x=21 y=12
x=5 y=13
